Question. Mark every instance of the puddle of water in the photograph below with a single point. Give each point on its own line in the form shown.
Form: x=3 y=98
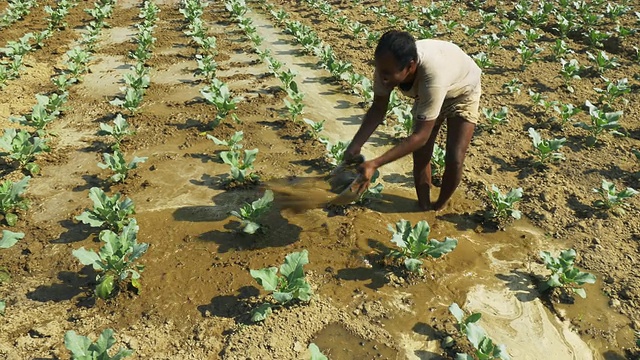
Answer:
x=338 y=343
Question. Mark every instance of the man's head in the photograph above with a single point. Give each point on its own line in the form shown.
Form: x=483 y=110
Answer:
x=396 y=57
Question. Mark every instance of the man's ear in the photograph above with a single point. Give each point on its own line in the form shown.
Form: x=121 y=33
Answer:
x=412 y=65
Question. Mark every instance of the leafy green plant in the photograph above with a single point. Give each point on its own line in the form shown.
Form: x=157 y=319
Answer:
x=219 y=95
x=20 y=146
x=240 y=166
x=566 y=112
x=613 y=91
x=601 y=122
x=115 y=261
x=290 y=285
x=502 y=205
x=82 y=348
x=295 y=107
x=107 y=210
x=44 y=112
x=314 y=350
x=494 y=118
x=118 y=130
x=405 y=120
x=513 y=86
x=528 y=54
x=602 y=62
x=438 y=160
x=118 y=164
x=234 y=142
x=414 y=244
x=564 y=274
x=315 y=128
x=63 y=82
x=335 y=152
x=486 y=349
x=569 y=71
x=611 y=197
x=10 y=238
x=132 y=99
x=545 y=151
x=11 y=199
x=206 y=66
x=249 y=214
x=482 y=60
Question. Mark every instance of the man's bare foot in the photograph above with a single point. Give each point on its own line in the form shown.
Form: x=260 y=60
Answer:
x=438 y=206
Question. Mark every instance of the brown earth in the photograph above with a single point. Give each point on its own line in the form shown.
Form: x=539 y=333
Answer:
x=197 y=291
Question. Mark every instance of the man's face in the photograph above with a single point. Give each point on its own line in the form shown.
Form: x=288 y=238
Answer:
x=389 y=71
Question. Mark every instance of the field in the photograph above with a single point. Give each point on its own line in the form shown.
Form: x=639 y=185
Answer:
x=163 y=67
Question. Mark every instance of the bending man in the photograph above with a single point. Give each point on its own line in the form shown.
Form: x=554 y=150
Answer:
x=445 y=84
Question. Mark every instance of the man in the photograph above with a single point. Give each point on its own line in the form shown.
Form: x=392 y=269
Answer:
x=445 y=83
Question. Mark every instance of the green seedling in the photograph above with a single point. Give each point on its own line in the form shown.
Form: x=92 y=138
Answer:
x=482 y=60
x=508 y=27
x=566 y=112
x=115 y=261
x=21 y=147
x=530 y=36
x=611 y=197
x=414 y=244
x=44 y=112
x=596 y=38
x=295 y=107
x=78 y=61
x=289 y=286
x=513 y=86
x=219 y=95
x=564 y=274
x=545 y=151
x=11 y=199
x=315 y=352
x=250 y=214
x=601 y=122
x=613 y=91
x=108 y=211
x=82 y=348
x=234 y=142
x=528 y=55
x=502 y=206
x=602 y=62
x=206 y=67
x=240 y=166
x=117 y=164
x=315 y=128
x=10 y=238
x=335 y=152
x=118 y=131
x=486 y=349
x=560 y=49
x=495 y=118
x=132 y=99
x=405 y=120
x=63 y=82
x=570 y=70
x=237 y=8
x=438 y=160
x=18 y=48
x=57 y=15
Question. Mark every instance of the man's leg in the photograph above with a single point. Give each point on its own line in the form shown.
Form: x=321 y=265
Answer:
x=459 y=134
x=422 y=169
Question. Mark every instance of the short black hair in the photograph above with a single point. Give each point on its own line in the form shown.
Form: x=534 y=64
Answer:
x=400 y=44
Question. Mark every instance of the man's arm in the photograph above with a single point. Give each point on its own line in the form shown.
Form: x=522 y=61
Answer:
x=372 y=119
x=412 y=143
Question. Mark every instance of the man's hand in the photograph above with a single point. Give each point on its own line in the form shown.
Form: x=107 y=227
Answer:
x=367 y=169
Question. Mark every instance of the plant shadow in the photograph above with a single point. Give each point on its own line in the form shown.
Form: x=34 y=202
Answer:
x=75 y=232
x=230 y=306
x=91 y=181
x=71 y=285
x=521 y=284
